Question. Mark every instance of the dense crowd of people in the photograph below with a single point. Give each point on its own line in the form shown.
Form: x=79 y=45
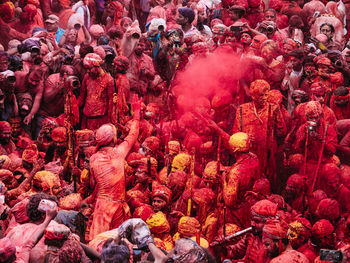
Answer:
x=174 y=131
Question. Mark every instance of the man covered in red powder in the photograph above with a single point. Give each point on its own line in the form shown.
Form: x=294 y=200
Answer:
x=7 y=146
x=107 y=171
x=263 y=123
x=96 y=94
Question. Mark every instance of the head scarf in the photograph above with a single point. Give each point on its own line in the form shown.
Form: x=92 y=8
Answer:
x=71 y=202
x=328 y=209
x=204 y=197
x=122 y=62
x=330 y=172
x=105 y=134
x=258 y=87
x=30 y=154
x=221 y=100
x=47 y=181
x=92 y=60
x=322 y=228
x=158 y=223
x=151 y=143
x=239 y=142
x=59 y=134
x=188 y=226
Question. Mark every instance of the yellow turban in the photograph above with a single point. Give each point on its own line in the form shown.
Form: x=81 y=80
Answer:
x=158 y=223
x=181 y=162
x=239 y=142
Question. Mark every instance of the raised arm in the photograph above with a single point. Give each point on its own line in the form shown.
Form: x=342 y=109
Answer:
x=130 y=140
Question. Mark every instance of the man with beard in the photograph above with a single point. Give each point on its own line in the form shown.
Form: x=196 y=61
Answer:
x=141 y=71
x=340 y=103
x=185 y=19
x=7 y=85
x=7 y=146
x=31 y=82
x=96 y=94
x=250 y=248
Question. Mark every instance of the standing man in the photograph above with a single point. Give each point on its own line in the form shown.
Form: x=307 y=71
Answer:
x=96 y=94
x=107 y=172
x=185 y=19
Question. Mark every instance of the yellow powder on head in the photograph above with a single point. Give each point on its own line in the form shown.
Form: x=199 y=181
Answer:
x=239 y=142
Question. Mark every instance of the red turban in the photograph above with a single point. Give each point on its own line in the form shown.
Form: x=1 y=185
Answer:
x=313 y=108
x=330 y=172
x=7 y=11
x=278 y=200
x=5 y=175
x=262 y=186
x=221 y=100
x=258 y=40
x=324 y=61
x=7 y=248
x=32 y=11
x=105 y=134
x=5 y=126
x=30 y=154
x=264 y=208
x=133 y=158
x=92 y=60
x=204 y=197
x=318 y=88
x=151 y=143
x=24 y=142
x=275 y=229
x=296 y=181
x=59 y=134
x=143 y=212
x=322 y=228
x=161 y=191
x=49 y=123
x=85 y=137
x=328 y=209
x=259 y=87
x=178 y=178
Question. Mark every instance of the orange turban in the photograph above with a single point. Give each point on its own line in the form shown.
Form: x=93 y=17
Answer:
x=144 y=212
x=133 y=158
x=161 y=191
x=313 y=108
x=322 y=228
x=105 y=134
x=275 y=229
x=259 y=87
x=92 y=60
x=264 y=208
x=188 y=226
x=47 y=181
x=159 y=243
x=30 y=154
x=59 y=134
x=158 y=223
x=174 y=147
x=71 y=202
x=137 y=195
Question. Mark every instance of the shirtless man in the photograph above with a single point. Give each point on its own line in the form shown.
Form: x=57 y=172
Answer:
x=107 y=172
